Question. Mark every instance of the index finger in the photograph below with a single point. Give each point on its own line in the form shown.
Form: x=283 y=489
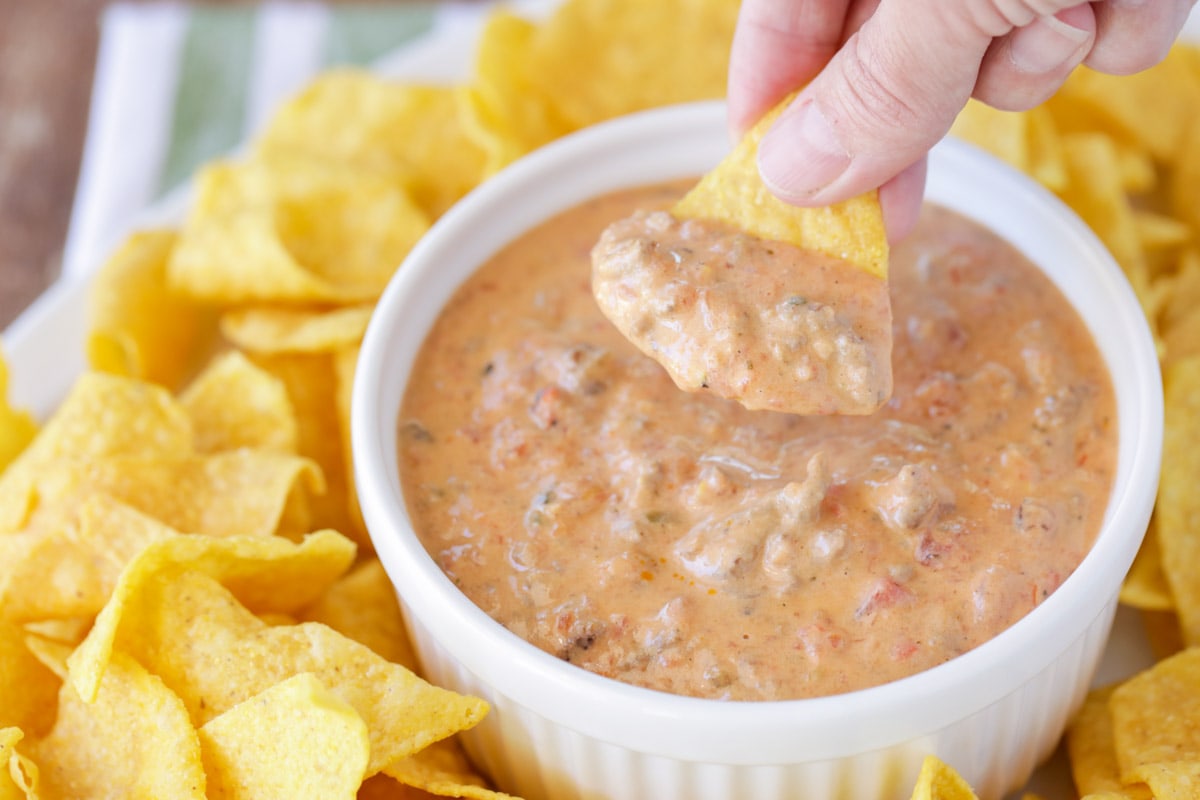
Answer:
x=779 y=45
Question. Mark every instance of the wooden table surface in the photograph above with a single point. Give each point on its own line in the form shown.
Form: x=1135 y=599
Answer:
x=47 y=60
x=47 y=55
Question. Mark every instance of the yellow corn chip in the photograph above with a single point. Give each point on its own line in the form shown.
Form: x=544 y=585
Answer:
x=939 y=781
x=101 y=416
x=1178 y=508
x=734 y=193
x=234 y=404
x=1138 y=173
x=238 y=492
x=1155 y=716
x=312 y=384
x=1183 y=297
x=1158 y=231
x=1093 y=754
x=1153 y=108
x=266 y=574
x=295 y=740
x=1027 y=140
x=17 y=428
x=344 y=363
x=139 y=328
x=384 y=787
x=69 y=630
x=241 y=656
x=133 y=740
x=442 y=769
x=362 y=606
x=69 y=570
x=1182 y=338
x=503 y=111
x=27 y=689
x=270 y=331
x=1095 y=192
x=1145 y=586
x=1185 y=183
x=412 y=132
x=597 y=59
x=294 y=230
x=1178 y=780
x=18 y=774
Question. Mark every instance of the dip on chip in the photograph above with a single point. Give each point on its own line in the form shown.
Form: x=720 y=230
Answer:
x=739 y=294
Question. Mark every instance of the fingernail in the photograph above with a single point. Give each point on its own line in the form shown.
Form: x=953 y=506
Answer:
x=801 y=154
x=1046 y=45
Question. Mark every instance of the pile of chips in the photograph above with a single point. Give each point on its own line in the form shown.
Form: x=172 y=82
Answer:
x=189 y=603
x=190 y=606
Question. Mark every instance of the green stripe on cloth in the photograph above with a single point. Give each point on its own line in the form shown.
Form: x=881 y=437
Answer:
x=360 y=34
x=210 y=100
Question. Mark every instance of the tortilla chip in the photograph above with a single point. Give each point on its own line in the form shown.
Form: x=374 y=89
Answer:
x=1175 y=781
x=1185 y=182
x=1183 y=297
x=68 y=630
x=294 y=740
x=597 y=59
x=345 y=362
x=411 y=132
x=139 y=328
x=17 y=427
x=734 y=193
x=102 y=415
x=1156 y=716
x=1178 y=507
x=69 y=571
x=294 y=230
x=939 y=781
x=239 y=492
x=215 y=654
x=234 y=404
x=362 y=606
x=1145 y=586
x=1028 y=140
x=270 y=331
x=18 y=774
x=27 y=688
x=1095 y=192
x=443 y=769
x=265 y=574
x=1153 y=108
x=312 y=384
x=134 y=739
x=502 y=109
x=1092 y=751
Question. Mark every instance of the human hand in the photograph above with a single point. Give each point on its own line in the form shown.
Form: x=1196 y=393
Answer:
x=886 y=78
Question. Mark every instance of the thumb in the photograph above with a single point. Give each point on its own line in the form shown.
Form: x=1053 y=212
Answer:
x=887 y=96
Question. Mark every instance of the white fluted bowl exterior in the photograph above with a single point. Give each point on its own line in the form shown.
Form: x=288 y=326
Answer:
x=557 y=731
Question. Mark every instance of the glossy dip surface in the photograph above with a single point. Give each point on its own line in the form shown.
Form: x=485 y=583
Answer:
x=681 y=542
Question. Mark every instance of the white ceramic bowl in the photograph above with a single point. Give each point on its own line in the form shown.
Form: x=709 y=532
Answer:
x=557 y=731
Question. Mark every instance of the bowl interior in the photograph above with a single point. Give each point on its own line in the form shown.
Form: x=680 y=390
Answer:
x=685 y=141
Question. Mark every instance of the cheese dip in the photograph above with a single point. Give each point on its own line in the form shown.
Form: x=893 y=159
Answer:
x=761 y=322
x=681 y=542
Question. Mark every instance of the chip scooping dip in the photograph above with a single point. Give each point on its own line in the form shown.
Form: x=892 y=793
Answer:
x=741 y=295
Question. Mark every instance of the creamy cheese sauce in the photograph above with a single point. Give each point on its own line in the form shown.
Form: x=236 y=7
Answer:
x=761 y=322
x=682 y=542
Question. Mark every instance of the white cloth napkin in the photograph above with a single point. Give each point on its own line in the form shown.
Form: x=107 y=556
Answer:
x=179 y=84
